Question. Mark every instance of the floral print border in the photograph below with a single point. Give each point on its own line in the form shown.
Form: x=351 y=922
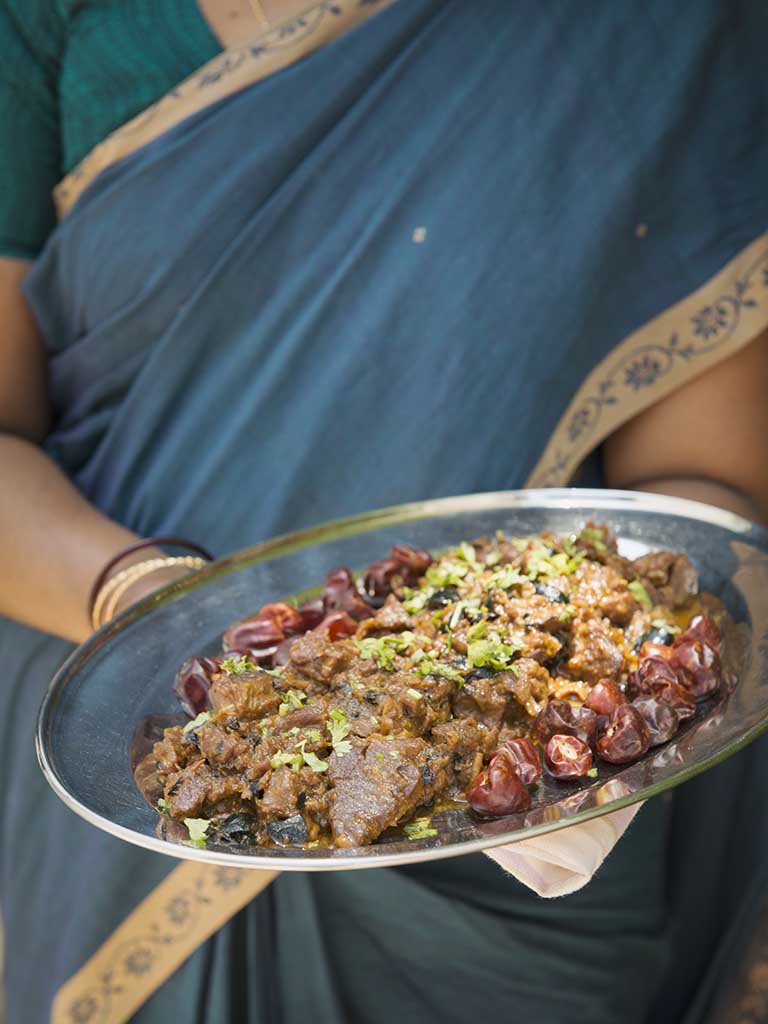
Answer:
x=632 y=381
x=226 y=74
x=159 y=935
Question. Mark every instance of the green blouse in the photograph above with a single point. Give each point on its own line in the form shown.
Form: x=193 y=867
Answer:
x=71 y=71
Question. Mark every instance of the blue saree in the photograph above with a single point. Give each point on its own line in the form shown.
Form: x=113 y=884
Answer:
x=376 y=276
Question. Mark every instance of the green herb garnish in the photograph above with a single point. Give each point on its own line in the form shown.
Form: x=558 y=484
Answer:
x=419 y=828
x=565 y=615
x=640 y=594
x=384 y=648
x=544 y=562
x=163 y=806
x=506 y=577
x=446 y=574
x=237 y=666
x=290 y=701
x=315 y=735
x=430 y=667
x=415 y=601
x=286 y=759
x=197 y=723
x=477 y=632
x=592 y=773
x=490 y=653
x=591 y=533
x=467 y=552
x=197 y=828
x=338 y=727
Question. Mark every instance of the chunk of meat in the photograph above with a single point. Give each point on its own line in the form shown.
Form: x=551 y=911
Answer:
x=602 y=588
x=281 y=794
x=670 y=579
x=377 y=786
x=483 y=699
x=199 y=788
x=174 y=751
x=390 y=618
x=315 y=656
x=464 y=742
x=223 y=748
x=540 y=646
x=593 y=654
x=311 y=716
x=528 y=684
x=249 y=696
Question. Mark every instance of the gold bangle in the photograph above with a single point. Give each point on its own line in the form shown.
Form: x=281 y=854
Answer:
x=108 y=597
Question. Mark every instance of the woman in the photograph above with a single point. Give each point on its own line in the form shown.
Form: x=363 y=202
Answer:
x=387 y=250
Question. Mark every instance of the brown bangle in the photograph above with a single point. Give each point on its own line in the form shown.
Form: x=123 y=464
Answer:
x=130 y=549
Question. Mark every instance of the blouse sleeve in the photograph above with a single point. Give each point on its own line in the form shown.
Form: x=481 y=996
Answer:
x=30 y=152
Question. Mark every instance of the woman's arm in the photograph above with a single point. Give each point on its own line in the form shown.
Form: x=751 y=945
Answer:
x=52 y=542
x=707 y=441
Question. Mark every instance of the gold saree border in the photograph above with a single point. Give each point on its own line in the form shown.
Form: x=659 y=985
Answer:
x=164 y=930
x=709 y=325
x=228 y=73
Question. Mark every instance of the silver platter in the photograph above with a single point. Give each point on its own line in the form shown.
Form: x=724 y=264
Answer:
x=124 y=672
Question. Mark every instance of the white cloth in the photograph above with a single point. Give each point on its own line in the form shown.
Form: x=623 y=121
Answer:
x=559 y=863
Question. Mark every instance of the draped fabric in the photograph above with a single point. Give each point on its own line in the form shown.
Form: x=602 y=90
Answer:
x=376 y=276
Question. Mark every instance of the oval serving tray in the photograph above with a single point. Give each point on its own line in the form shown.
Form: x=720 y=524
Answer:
x=124 y=672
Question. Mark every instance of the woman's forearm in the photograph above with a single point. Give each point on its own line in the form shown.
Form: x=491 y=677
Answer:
x=710 y=491
x=52 y=542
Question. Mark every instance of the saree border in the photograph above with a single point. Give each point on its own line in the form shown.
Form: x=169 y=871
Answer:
x=228 y=73
x=710 y=324
x=156 y=938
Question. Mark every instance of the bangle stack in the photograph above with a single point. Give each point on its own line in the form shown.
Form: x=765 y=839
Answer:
x=107 y=590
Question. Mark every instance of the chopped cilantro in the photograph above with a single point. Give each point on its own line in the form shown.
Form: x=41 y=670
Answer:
x=544 y=562
x=478 y=631
x=312 y=760
x=277 y=672
x=315 y=735
x=490 y=653
x=446 y=573
x=500 y=536
x=338 y=727
x=384 y=648
x=419 y=828
x=591 y=533
x=163 y=806
x=458 y=611
x=592 y=773
x=283 y=759
x=430 y=667
x=415 y=601
x=640 y=594
x=520 y=544
x=492 y=558
x=565 y=615
x=197 y=828
x=237 y=666
x=466 y=551
x=506 y=577
x=291 y=700
x=196 y=723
